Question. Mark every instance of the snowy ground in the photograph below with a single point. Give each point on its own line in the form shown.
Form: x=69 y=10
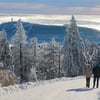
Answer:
x=63 y=89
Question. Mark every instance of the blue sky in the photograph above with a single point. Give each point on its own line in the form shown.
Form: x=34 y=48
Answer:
x=84 y=3
x=50 y=6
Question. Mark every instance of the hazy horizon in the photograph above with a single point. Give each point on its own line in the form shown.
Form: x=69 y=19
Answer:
x=90 y=21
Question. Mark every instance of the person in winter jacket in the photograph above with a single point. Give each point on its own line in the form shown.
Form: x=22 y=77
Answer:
x=88 y=74
x=96 y=72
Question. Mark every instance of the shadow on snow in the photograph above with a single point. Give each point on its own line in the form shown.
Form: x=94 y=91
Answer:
x=80 y=89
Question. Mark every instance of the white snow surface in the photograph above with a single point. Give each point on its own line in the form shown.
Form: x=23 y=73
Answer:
x=56 y=89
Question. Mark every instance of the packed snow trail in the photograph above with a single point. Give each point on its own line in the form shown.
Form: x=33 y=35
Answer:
x=61 y=90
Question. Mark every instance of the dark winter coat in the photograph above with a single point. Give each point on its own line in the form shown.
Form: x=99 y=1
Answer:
x=96 y=70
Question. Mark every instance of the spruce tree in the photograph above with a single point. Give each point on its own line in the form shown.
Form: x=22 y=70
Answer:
x=19 y=41
x=74 y=52
x=5 y=51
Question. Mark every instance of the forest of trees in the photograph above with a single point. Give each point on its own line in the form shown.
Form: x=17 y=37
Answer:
x=34 y=61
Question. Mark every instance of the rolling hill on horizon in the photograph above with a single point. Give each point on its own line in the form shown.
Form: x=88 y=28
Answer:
x=46 y=32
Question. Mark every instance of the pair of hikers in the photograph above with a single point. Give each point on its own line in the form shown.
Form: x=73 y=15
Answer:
x=96 y=74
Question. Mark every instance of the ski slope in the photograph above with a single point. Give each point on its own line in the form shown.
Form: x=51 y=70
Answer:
x=69 y=89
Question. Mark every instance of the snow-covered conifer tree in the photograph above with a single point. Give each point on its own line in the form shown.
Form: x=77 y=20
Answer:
x=34 y=46
x=33 y=75
x=34 y=60
x=20 y=35
x=74 y=52
x=56 y=50
x=19 y=50
x=94 y=54
x=48 y=67
x=5 y=51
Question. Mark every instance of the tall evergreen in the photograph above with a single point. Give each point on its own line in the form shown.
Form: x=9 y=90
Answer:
x=19 y=41
x=74 y=52
x=5 y=51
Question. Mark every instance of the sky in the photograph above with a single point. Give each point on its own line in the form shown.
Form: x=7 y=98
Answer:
x=50 y=6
